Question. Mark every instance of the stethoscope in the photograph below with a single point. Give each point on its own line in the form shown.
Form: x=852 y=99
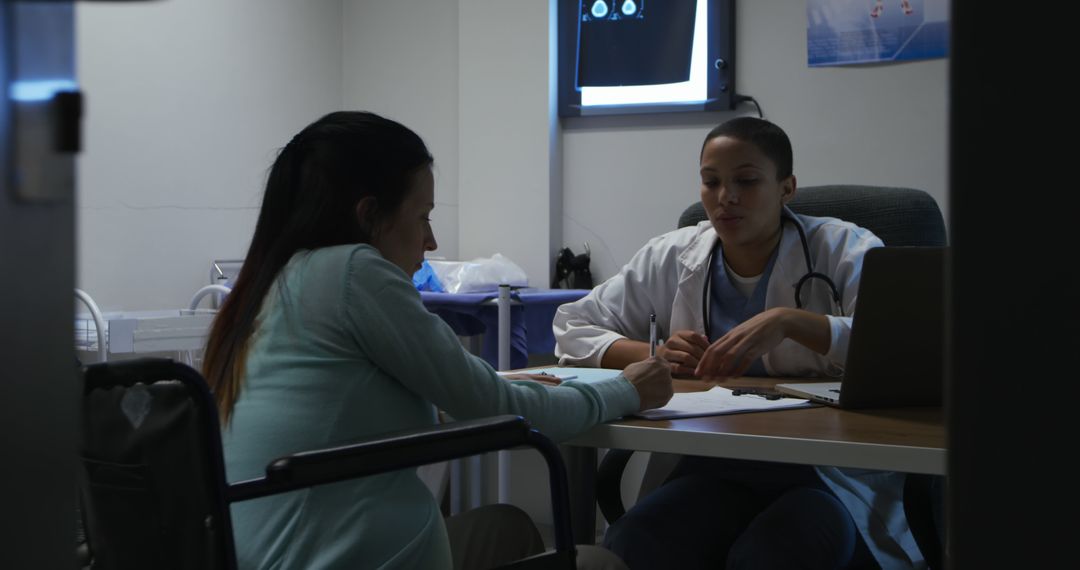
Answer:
x=810 y=274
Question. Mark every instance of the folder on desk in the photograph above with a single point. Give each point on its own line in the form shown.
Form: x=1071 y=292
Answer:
x=719 y=401
x=585 y=375
x=714 y=402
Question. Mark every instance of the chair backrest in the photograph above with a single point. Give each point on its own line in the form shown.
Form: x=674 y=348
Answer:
x=153 y=479
x=899 y=216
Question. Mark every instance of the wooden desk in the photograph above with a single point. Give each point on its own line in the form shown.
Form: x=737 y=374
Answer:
x=910 y=440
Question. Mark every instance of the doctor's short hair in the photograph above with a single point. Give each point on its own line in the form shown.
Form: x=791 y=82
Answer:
x=769 y=138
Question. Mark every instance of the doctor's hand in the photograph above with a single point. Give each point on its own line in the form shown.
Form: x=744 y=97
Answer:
x=683 y=350
x=652 y=380
x=732 y=354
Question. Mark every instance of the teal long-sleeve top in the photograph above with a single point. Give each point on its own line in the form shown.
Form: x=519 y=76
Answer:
x=344 y=349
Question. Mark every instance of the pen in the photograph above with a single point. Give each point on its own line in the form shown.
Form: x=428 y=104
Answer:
x=652 y=335
x=767 y=394
x=561 y=378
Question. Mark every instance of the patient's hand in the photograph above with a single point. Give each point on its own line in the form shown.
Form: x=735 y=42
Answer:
x=652 y=380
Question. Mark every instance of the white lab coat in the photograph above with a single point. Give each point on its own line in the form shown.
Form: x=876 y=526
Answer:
x=668 y=276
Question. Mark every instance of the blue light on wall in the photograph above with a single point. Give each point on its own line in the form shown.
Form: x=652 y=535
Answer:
x=40 y=90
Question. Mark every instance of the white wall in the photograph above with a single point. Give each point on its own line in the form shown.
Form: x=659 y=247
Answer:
x=188 y=101
x=401 y=61
x=187 y=104
x=430 y=65
x=510 y=193
x=626 y=179
x=620 y=180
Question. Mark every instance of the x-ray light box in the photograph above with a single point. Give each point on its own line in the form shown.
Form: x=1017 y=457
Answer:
x=635 y=56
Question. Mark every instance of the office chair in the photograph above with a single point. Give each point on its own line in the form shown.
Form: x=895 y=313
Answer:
x=900 y=217
x=153 y=485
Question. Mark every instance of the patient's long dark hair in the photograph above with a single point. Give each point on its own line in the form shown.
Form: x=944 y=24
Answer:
x=310 y=202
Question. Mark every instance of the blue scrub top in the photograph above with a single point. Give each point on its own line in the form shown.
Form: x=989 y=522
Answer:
x=728 y=308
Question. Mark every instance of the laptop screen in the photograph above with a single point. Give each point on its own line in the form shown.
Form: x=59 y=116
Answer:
x=896 y=352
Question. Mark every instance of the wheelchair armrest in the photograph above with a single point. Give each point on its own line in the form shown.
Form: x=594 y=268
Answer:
x=384 y=453
x=412 y=448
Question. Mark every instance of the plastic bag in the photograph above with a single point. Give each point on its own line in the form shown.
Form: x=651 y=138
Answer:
x=425 y=279
x=479 y=275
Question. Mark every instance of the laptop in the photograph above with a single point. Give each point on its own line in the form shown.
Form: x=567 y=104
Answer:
x=896 y=350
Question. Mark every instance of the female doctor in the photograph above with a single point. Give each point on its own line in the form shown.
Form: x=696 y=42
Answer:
x=754 y=290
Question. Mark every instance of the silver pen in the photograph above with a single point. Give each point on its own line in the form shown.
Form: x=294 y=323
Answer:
x=652 y=335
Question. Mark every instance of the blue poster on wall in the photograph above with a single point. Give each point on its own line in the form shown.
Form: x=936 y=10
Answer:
x=843 y=32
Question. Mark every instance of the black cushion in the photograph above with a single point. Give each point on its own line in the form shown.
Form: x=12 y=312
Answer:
x=147 y=484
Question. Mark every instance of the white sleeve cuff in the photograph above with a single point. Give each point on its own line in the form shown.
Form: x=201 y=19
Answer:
x=840 y=333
